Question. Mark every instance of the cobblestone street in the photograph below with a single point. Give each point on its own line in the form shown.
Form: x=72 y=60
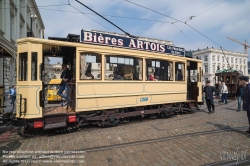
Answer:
x=187 y=139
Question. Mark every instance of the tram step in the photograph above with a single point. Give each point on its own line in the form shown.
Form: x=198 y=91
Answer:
x=55 y=125
x=55 y=121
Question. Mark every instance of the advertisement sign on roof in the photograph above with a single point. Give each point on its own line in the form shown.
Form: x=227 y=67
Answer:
x=131 y=43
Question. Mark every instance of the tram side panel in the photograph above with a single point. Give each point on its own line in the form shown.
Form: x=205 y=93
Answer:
x=110 y=95
x=29 y=84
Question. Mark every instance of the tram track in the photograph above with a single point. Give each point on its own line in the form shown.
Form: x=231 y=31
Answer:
x=164 y=139
x=148 y=141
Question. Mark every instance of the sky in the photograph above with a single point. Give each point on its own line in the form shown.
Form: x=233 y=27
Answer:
x=214 y=20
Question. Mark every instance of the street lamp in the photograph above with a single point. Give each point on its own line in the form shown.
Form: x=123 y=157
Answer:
x=32 y=16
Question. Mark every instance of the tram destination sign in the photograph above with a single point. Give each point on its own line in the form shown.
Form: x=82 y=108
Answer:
x=131 y=43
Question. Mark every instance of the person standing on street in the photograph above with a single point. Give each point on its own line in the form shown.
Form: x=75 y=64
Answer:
x=219 y=90
x=224 y=92
x=244 y=81
x=209 y=91
x=65 y=76
x=12 y=94
x=240 y=96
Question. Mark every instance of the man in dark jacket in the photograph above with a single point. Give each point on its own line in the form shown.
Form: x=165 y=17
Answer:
x=244 y=81
x=66 y=77
x=240 y=96
x=209 y=91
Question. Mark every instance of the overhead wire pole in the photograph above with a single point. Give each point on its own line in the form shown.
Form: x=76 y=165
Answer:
x=107 y=20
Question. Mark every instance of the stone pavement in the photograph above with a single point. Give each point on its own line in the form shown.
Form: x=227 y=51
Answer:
x=189 y=139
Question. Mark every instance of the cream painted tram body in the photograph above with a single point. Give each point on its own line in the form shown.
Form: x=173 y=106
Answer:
x=109 y=84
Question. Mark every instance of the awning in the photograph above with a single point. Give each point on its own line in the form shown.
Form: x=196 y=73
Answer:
x=5 y=52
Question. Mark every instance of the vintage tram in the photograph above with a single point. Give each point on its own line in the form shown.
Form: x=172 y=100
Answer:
x=95 y=95
x=230 y=77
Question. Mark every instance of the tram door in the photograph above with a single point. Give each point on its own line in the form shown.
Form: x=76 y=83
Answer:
x=53 y=58
x=193 y=81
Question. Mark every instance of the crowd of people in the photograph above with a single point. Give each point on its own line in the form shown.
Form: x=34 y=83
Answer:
x=242 y=95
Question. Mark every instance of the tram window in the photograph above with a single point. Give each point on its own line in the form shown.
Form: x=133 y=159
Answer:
x=159 y=70
x=194 y=76
x=123 y=68
x=91 y=67
x=233 y=79
x=34 y=66
x=222 y=78
x=179 y=71
x=227 y=79
x=23 y=67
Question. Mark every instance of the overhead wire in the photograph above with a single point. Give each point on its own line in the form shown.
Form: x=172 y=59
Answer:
x=185 y=35
x=89 y=17
x=106 y=19
x=177 y=20
x=190 y=17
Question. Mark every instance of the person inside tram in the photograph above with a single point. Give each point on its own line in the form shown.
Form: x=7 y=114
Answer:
x=88 y=74
x=117 y=76
x=179 y=75
x=151 y=77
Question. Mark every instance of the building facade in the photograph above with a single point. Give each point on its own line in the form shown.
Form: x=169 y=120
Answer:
x=214 y=59
x=18 y=19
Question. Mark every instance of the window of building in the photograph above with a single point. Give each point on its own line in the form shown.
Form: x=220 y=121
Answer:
x=213 y=58
x=222 y=59
x=34 y=66
x=159 y=70
x=23 y=67
x=232 y=60
x=89 y=66
x=123 y=68
x=240 y=61
x=179 y=71
x=213 y=68
x=244 y=61
x=218 y=67
x=205 y=58
x=223 y=67
x=236 y=60
x=206 y=68
x=218 y=58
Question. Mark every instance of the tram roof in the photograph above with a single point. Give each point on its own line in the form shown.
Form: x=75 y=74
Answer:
x=80 y=44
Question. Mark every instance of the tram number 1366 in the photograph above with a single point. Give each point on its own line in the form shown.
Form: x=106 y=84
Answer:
x=143 y=99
